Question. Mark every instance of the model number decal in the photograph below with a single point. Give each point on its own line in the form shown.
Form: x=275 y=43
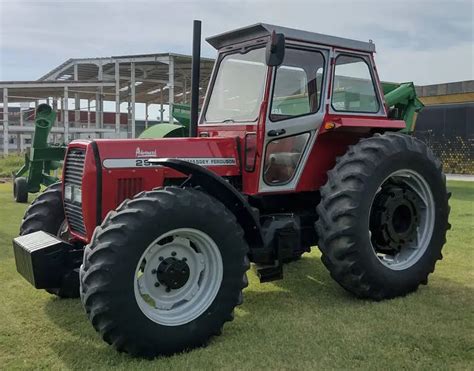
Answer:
x=116 y=163
x=140 y=163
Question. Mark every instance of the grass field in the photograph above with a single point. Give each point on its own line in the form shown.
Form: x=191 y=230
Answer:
x=305 y=321
x=10 y=164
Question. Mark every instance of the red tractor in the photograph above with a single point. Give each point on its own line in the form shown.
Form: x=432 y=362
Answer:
x=295 y=147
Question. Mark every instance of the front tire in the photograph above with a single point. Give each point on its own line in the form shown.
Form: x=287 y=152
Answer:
x=383 y=216
x=164 y=272
x=20 y=190
x=46 y=213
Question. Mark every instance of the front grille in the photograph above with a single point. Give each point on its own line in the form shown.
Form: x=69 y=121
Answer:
x=73 y=172
x=128 y=187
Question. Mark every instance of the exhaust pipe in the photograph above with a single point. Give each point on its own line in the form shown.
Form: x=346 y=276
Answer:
x=195 y=73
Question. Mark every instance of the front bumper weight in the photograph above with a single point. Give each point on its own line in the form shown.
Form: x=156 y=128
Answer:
x=40 y=258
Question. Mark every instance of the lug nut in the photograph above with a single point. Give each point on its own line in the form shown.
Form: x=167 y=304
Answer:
x=153 y=271
x=157 y=284
x=184 y=259
x=160 y=258
x=168 y=289
x=173 y=253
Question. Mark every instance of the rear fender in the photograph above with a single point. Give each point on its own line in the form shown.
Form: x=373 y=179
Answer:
x=219 y=188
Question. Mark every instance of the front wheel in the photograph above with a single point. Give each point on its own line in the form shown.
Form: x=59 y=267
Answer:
x=383 y=216
x=20 y=190
x=46 y=214
x=164 y=272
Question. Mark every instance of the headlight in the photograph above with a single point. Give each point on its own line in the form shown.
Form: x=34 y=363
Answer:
x=76 y=194
x=68 y=192
x=73 y=193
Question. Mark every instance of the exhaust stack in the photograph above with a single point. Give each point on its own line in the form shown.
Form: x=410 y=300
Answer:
x=195 y=74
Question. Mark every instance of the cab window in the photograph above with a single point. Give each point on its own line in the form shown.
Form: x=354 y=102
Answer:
x=238 y=88
x=353 y=87
x=297 y=86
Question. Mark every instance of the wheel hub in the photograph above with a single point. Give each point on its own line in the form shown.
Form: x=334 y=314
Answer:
x=395 y=219
x=173 y=273
x=178 y=276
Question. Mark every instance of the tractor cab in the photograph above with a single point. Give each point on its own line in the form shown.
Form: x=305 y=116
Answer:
x=275 y=87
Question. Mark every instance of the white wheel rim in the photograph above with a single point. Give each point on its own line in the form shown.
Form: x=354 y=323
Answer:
x=175 y=307
x=411 y=253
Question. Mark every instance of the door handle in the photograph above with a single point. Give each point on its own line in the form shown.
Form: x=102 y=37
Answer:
x=276 y=133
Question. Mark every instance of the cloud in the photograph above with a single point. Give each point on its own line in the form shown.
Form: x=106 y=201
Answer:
x=424 y=41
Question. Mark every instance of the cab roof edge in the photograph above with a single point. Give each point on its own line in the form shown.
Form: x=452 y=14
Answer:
x=258 y=30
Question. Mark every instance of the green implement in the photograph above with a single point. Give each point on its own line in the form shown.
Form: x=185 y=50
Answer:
x=41 y=159
x=403 y=103
x=182 y=114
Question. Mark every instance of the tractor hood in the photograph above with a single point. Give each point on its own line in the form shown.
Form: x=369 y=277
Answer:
x=218 y=154
x=105 y=172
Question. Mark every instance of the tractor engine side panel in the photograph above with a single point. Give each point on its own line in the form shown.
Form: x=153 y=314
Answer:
x=115 y=170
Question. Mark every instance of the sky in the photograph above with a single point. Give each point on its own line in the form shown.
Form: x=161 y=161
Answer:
x=425 y=41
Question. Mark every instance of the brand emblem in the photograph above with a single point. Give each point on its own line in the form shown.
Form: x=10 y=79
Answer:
x=145 y=153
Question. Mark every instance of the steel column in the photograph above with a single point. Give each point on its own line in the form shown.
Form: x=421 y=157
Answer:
x=5 y=122
x=66 y=114
x=100 y=103
x=77 y=100
x=88 y=113
x=161 y=106
x=146 y=115
x=117 y=98
x=97 y=109
x=22 y=137
x=132 y=97
x=170 y=87
x=56 y=107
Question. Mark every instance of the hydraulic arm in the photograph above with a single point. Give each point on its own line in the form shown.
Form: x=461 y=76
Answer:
x=403 y=102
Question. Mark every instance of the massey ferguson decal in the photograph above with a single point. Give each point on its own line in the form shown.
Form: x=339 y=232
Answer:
x=116 y=163
x=145 y=153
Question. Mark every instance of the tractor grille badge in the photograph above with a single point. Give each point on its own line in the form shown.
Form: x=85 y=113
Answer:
x=145 y=153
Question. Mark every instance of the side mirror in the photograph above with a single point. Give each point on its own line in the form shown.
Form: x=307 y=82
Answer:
x=275 y=50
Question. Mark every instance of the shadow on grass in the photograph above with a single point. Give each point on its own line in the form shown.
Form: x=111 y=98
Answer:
x=308 y=288
x=308 y=281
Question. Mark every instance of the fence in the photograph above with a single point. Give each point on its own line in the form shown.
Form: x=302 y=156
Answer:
x=448 y=130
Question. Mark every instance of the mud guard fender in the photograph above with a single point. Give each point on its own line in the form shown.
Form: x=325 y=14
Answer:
x=226 y=193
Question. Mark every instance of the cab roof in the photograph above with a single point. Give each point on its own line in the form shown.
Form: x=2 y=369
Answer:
x=263 y=30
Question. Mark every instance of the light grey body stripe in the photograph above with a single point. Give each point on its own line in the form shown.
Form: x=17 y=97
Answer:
x=116 y=163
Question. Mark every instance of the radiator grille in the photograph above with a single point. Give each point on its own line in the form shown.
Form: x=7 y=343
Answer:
x=73 y=172
x=128 y=187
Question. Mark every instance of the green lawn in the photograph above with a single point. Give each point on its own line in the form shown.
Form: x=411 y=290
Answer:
x=10 y=164
x=305 y=321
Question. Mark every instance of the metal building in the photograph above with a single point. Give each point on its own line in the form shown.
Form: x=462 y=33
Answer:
x=163 y=79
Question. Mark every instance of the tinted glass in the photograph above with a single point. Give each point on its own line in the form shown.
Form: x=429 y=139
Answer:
x=297 y=86
x=353 y=88
x=282 y=158
x=238 y=88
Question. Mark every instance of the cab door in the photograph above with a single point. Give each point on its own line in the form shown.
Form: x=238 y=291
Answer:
x=294 y=116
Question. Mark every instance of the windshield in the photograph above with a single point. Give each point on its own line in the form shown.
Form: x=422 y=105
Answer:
x=238 y=88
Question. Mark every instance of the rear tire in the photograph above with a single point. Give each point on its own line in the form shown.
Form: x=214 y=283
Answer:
x=20 y=190
x=121 y=263
x=46 y=214
x=368 y=243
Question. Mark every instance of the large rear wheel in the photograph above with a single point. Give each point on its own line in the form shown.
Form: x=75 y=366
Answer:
x=164 y=272
x=383 y=216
